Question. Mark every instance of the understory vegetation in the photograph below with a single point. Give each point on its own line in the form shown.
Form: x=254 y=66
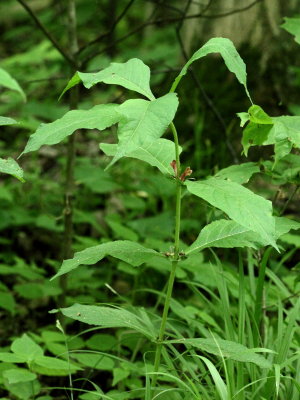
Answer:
x=149 y=209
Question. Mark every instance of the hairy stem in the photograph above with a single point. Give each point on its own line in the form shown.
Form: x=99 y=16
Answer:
x=173 y=265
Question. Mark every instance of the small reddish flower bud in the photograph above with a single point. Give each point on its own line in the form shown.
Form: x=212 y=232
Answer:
x=187 y=172
x=174 y=166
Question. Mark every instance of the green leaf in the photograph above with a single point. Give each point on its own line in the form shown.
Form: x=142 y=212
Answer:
x=130 y=252
x=287 y=127
x=227 y=349
x=107 y=317
x=255 y=134
x=143 y=122
x=240 y=204
x=24 y=390
x=119 y=374
x=11 y=167
x=291 y=239
x=27 y=348
x=284 y=225
x=231 y=58
x=9 y=82
x=283 y=132
x=17 y=375
x=292 y=25
x=220 y=385
x=94 y=177
x=121 y=231
x=160 y=226
x=101 y=342
x=51 y=366
x=259 y=116
x=99 y=117
x=95 y=361
x=281 y=149
x=7 y=121
x=133 y=75
x=229 y=234
x=12 y=358
x=244 y=117
x=225 y=234
x=159 y=153
x=7 y=302
x=238 y=173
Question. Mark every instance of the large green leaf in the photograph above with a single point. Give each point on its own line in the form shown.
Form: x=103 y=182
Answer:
x=159 y=153
x=130 y=252
x=99 y=117
x=226 y=234
x=133 y=75
x=292 y=25
x=143 y=122
x=107 y=317
x=231 y=58
x=238 y=173
x=227 y=349
x=240 y=204
x=9 y=82
x=11 y=167
x=7 y=121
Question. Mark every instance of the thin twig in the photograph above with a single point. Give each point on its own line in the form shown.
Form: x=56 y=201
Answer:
x=53 y=78
x=60 y=78
x=206 y=7
x=113 y=27
x=164 y=5
x=289 y=200
x=165 y=21
x=46 y=32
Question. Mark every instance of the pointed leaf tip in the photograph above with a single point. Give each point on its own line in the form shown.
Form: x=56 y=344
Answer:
x=133 y=75
x=231 y=57
x=125 y=250
x=240 y=204
x=100 y=117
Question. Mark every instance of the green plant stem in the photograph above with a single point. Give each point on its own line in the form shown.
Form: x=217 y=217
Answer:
x=173 y=265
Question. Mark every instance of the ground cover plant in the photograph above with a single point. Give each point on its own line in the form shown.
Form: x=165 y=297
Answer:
x=148 y=307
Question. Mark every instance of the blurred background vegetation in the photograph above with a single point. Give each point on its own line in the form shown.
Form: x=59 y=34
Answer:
x=131 y=201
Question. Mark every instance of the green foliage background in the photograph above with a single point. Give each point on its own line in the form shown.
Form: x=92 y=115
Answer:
x=217 y=294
